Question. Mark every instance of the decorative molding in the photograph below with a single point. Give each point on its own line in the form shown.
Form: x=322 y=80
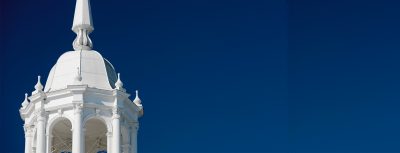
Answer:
x=82 y=40
x=104 y=119
x=116 y=113
x=97 y=111
x=53 y=120
x=41 y=115
x=78 y=108
x=29 y=130
x=109 y=134
x=60 y=112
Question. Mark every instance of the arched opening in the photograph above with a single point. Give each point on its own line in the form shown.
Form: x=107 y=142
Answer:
x=95 y=136
x=61 y=136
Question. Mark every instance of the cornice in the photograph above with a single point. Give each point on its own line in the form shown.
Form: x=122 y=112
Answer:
x=127 y=108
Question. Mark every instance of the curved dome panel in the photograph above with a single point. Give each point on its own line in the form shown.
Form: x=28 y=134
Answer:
x=112 y=75
x=95 y=71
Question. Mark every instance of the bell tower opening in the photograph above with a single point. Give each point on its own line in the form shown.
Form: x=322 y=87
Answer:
x=61 y=136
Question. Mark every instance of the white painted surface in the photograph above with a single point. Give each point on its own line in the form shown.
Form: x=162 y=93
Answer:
x=91 y=66
x=83 y=106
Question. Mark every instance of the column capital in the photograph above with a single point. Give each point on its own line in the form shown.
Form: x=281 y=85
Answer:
x=116 y=113
x=78 y=108
x=97 y=111
x=109 y=134
x=29 y=133
x=28 y=127
x=116 y=110
x=60 y=112
x=116 y=116
x=41 y=113
x=40 y=118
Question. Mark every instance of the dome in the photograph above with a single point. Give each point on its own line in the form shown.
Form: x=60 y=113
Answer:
x=94 y=70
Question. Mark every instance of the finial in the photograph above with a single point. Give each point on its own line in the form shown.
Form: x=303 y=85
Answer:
x=82 y=26
x=25 y=102
x=38 y=86
x=137 y=100
x=119 y=85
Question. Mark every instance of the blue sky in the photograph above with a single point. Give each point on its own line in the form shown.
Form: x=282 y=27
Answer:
x=343 y=76
x=226 y=76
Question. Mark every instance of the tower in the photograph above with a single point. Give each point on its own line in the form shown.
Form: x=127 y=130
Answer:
x=83 y=107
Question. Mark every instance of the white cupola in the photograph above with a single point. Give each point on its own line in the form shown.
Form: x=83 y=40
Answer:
x=83 y=107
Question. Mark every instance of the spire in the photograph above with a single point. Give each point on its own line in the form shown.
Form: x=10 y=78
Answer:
x=38 y=86
x=82 y=25
x=137 y=100
x=25 y=102
x=119 y=85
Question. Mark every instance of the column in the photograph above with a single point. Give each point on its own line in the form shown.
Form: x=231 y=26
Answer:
x=109 y=142
x=125 y=148
x=83 y=139
x=77 y=132
x=49 y=141
x=28 y=138
x=126 y=140
x=134 y=129
x=116 y=131
x=41 y=133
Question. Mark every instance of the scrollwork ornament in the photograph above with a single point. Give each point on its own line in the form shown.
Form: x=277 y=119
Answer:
x=41 y=115
x=60 y=112
x=116 y=112
x=78 y=108
x=97 y=111
x=109 y=134
x=116 y=116
x=29 y=130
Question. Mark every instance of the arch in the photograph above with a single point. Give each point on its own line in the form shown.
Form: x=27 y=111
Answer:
x=59 y=136
x=101 y=118
x=52 y=121
x=95 y=135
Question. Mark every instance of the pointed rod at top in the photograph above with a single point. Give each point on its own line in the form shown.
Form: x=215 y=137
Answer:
x=82 y=25
x=82 y=16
